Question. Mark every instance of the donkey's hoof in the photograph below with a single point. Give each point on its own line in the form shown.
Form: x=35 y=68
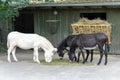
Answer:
x=16 y=60
x=83 y=62
x=105 y=63
x=78 y=61
x=70 y=61
x=9 y=61
x=37 y=62
x=98 y=63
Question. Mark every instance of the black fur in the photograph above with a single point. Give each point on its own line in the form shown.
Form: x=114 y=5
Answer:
x=90 y=40
x=67 y=43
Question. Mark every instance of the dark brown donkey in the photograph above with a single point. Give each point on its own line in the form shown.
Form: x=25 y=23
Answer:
x=90 y=42
x=67 y=43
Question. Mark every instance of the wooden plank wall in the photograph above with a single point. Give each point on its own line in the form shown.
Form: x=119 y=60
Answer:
x=63 y=27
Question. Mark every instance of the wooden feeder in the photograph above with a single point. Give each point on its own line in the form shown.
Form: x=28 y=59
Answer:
x=78 y=28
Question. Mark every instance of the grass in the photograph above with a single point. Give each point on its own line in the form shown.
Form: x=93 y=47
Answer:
x=65 y=62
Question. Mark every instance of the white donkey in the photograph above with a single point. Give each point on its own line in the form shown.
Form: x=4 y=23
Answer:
x=27 y=41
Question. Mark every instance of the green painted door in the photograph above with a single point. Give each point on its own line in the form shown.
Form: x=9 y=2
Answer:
x=51 y=30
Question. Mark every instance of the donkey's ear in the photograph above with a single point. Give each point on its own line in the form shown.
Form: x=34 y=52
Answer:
x=54 y=50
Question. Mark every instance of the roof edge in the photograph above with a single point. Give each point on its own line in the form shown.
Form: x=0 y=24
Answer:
x=89 y=4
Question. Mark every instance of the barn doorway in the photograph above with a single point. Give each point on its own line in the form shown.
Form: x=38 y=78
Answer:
x=93 y=15
x=24 y=23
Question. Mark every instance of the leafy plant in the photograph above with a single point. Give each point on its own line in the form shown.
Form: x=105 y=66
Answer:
x=9 y=8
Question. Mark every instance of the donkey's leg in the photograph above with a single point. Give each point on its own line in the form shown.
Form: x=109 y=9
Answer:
x=34 y=55
x=101 y=55
x=88 y=52
x=91 y=56
x=13 y=53
x=106 y=54
x=72 y=53
x=36 y=59
x=9 y=52
x=75 y=57
x=78 y=56
x=83 y=56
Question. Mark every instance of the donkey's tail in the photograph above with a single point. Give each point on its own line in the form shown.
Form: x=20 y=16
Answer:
x=107 y=47
x=8 y=43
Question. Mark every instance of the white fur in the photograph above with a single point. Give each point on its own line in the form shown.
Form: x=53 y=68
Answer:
x=91 y=48
x=27 y=41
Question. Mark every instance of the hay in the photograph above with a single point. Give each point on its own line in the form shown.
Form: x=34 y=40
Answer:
x=94 y=21
x=65 y=62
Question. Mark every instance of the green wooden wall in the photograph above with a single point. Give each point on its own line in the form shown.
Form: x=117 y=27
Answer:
x=55 y=31
x=54 y=27
x=5 y=27
x=114 y=18
x=66 y=17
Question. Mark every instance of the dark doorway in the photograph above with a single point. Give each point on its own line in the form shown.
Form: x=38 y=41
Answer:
x=24 y=23
x=93 y=15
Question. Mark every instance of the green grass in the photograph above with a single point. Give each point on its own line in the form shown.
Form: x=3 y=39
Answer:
x=65 y=62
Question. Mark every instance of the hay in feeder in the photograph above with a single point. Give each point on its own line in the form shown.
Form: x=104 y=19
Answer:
x=87 y=26
x=94 y=21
